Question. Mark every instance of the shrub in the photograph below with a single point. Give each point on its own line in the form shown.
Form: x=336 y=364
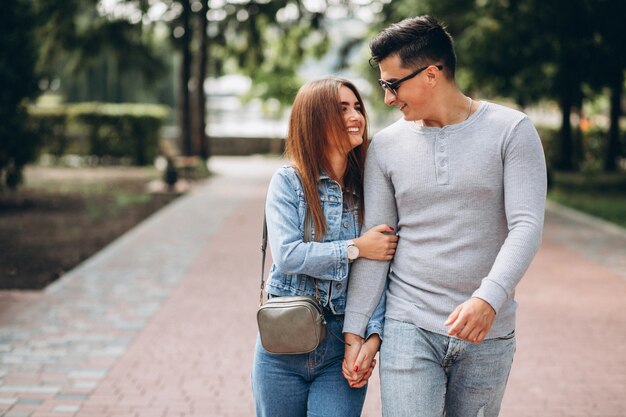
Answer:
x=50 y=125
x=101 y=129
x=589 y=147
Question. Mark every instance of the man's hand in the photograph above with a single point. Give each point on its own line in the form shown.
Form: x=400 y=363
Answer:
x=471 y=320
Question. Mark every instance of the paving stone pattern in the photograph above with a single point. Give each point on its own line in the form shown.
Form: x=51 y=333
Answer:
x=161 y=322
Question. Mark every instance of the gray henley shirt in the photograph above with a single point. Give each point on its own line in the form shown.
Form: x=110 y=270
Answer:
x=467 y=201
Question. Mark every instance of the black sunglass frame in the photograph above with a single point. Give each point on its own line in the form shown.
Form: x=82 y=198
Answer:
x=393 y=86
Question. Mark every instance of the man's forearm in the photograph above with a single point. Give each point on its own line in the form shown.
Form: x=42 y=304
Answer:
x=367 y=283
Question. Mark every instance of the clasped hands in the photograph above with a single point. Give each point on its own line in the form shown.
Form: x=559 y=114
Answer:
x=359 y=362
x=470 y=321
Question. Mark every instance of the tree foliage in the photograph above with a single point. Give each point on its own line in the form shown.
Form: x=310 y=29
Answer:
x=95 y=55
x=18 y=56
x=266 y=40
x=608 y=69
x=510 y=53
x=528 y=50
x=93 y=52
x=531 y=50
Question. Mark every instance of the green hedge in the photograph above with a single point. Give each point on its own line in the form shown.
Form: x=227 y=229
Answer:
x=589 y=148
x=50 y=125
x=100 y=129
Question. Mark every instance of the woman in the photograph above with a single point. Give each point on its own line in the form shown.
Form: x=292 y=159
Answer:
x=326 y=143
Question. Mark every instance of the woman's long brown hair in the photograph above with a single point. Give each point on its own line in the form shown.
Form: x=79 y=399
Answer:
x=317 y=122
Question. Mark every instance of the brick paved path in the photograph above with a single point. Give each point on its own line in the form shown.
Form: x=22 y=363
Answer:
x=161 y=322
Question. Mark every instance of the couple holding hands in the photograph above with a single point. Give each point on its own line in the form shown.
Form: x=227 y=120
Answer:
x=419 y=239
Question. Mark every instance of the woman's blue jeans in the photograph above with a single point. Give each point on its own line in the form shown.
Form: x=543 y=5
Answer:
x=307 y=385
x=425 y=374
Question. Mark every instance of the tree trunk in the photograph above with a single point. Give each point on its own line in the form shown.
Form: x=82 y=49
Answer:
x=185 y=76
x=613 y=150
x=200 y=137
x=565 y=157
x=578 y=142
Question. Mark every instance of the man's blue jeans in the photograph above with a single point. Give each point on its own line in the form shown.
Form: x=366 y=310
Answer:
x=425 y=374
x=306 y=385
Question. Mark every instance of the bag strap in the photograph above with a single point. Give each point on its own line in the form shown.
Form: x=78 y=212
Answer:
x=308 y=233
x=263 y=250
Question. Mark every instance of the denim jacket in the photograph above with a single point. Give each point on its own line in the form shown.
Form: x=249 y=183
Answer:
x=294 y=260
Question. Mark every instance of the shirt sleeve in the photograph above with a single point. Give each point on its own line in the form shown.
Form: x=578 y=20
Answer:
x=290 y=253
x=368 y=277
x=377 y=321
x=524 y=183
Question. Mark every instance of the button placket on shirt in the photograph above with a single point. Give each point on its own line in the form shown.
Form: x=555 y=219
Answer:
x=441 y=158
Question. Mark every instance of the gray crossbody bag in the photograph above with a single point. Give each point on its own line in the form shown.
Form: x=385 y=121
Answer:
x=290 y=325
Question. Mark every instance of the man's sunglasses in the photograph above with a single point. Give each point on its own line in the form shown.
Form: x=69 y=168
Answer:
x=393 y=86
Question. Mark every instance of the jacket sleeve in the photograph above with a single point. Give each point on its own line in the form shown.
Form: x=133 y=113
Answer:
x=291 y=255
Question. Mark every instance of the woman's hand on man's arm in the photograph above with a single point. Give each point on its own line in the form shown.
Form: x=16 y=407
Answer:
x=378 y=243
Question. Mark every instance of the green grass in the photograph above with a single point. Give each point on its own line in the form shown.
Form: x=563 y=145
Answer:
x=601 y=195
x=105 y=191
x=116 y=202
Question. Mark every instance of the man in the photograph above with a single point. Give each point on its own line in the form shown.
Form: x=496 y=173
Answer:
x=464 y=183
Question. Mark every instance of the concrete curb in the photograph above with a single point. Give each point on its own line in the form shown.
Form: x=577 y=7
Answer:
x=587 y=219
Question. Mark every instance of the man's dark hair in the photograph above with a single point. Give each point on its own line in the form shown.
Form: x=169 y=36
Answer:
x=418 y=41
